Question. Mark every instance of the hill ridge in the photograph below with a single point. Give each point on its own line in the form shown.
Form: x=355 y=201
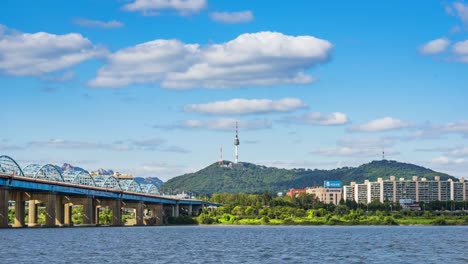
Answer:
x=252 y=178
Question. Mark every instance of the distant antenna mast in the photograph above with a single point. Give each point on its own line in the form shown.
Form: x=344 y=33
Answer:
x=383 y=153
x=221 y=156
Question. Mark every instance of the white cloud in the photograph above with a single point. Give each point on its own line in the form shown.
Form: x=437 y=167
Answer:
x=434 y=46
x=443 y=160
x=25 y=54
x=454 y=127
x=460 y=49
x=317 y=118
x=377 y=143
x=435 y=131
x=352 y=152
x=184 y=7
x=151 y=144
x=98 y=24
x=463 y=151
x=227 y=124
x=461 y=11
x=162 y=170
x=264 y=58
x=382 y=124
x=440 y=160
x=232 y=17
x=247 y=106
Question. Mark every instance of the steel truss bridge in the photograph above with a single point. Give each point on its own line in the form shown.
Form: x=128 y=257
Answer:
x=45 y=185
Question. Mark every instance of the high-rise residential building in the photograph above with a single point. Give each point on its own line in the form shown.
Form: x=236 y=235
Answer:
x=416 y=189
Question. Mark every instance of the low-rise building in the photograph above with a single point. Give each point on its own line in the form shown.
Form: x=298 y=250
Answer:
x=326 y=195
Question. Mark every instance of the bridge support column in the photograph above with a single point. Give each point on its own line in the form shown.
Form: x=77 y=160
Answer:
x=88 y=212
x=19 y=210
x=4 y=197
x=67 y=215
x=59 y=212
x=32 y=213
x=175 y=210
x=96 y=215
x=116 y=209
x=50 y=210
x=140 y=213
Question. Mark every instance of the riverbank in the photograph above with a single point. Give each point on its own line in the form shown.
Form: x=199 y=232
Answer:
x=334 y=220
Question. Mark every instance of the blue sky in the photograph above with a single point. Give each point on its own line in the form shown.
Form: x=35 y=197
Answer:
x=154 y=87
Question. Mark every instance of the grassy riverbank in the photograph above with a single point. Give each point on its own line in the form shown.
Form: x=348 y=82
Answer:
x=249 y=209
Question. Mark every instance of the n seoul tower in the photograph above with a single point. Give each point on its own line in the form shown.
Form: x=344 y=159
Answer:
x=236 y=144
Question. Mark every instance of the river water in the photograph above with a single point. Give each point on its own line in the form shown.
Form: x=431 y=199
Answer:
x=236 y=244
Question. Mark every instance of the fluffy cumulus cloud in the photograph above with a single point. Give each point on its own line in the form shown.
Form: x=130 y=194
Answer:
x=232 y=17
x=264 y=58
x=98 y=24
x=435 y=46
x=247 y=106
x=25 y=54
x=152 y=7
x=460 y=49
x=317 y=118
x=227 y=124
x=379 y=125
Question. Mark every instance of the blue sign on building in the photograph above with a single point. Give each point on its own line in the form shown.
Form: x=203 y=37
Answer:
x=332 y=184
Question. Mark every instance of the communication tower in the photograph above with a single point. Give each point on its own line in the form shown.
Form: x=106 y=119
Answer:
x=236 y=145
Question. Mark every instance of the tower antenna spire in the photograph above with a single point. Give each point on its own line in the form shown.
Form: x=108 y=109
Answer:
x=236 y=145
x=383 y=153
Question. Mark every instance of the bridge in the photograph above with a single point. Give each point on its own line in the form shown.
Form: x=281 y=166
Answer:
x=45 y=185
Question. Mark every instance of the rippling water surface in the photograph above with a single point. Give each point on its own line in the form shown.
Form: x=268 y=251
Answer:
x=236 y=244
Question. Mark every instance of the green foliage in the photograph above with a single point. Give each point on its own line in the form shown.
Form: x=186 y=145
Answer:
x=251 y=178
x=77 y=214
x=245 y=209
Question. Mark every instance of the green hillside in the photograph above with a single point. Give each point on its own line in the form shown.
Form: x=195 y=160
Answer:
x=251 y=178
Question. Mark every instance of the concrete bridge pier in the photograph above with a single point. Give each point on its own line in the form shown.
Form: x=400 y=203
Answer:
x=116 y=209
x=59 y=211
x=67 y=215
x=32 y=213
x=50 y=204
x=89 y=211
x=20 y=205
x=175 y=210
x=4 y=197
x=140 y=213
x=190 y=210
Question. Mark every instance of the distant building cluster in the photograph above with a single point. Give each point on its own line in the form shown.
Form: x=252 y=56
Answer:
x=331 y=193
x=392 y=190
x=417 y=190
x=118 y=175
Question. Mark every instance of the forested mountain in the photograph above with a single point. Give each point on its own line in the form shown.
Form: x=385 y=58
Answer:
x=251 y=178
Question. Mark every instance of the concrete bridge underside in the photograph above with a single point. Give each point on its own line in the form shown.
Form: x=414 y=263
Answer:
x=58 y=210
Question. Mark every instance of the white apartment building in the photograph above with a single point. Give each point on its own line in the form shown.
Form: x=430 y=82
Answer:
x=417 y=189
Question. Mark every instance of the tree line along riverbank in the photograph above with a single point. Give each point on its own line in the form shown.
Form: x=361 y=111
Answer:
x=305 y=209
